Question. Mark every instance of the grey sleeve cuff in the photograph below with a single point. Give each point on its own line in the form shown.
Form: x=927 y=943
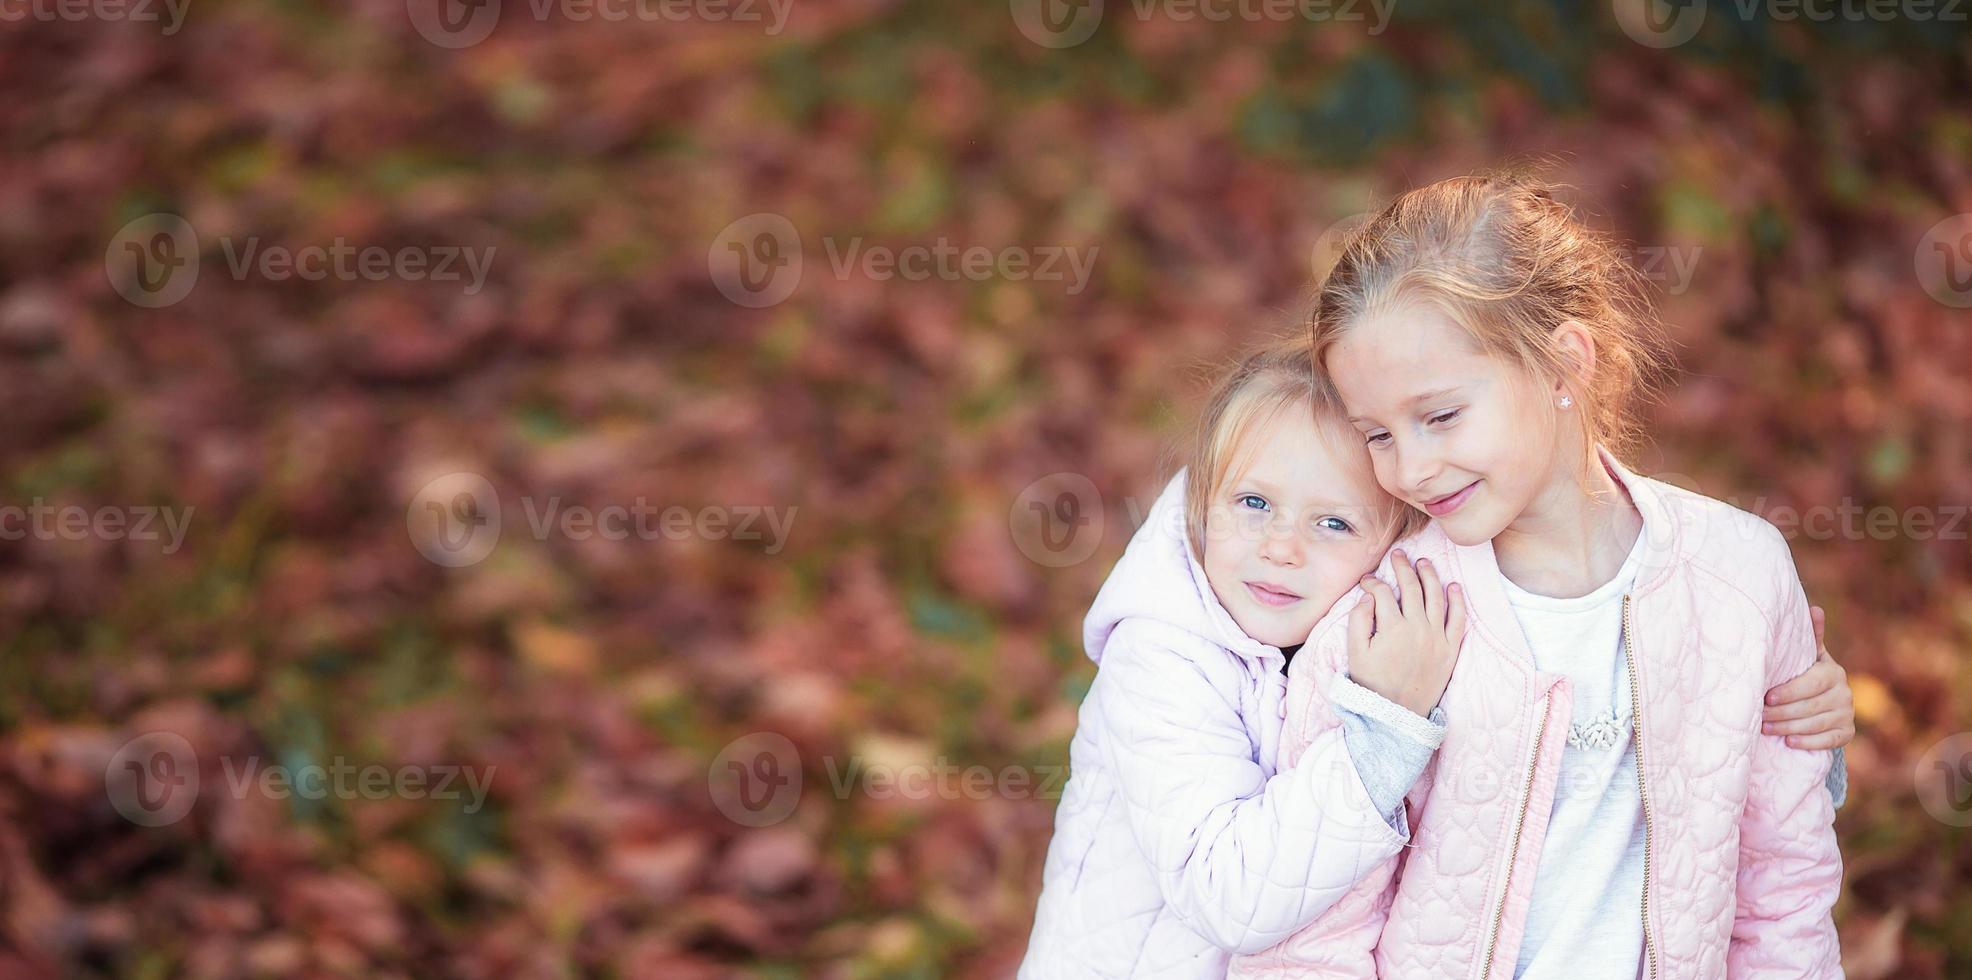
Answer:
x=1389 y=745
x=1426 y=731
x=1838 y=780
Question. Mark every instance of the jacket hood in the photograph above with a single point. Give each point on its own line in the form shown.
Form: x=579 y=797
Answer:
x=1159 y=580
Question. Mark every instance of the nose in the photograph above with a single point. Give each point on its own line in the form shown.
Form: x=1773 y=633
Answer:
x=1279 y=545
x=1417 y=469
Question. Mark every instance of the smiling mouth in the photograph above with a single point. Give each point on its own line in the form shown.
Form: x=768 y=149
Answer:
x=1272 y=596
x=1444 y=505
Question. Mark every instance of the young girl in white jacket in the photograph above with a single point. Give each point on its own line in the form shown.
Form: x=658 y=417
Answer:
x=1177 y=843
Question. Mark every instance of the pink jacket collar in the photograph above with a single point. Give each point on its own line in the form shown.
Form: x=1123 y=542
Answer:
x=1478 y=571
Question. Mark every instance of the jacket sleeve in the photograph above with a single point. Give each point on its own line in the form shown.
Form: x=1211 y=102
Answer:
x=1790 y=869
x=1389 y=745
x=1341 y=942
x=1243 y=860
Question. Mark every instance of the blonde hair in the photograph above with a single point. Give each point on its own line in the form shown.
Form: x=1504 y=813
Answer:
x=1501 y=257
x=1275 y=376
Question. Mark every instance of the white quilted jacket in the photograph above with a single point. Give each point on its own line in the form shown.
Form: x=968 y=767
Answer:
x=1176 y=842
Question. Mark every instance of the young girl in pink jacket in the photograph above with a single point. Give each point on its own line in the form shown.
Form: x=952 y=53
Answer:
x=1605 y=804
x=1179 y=842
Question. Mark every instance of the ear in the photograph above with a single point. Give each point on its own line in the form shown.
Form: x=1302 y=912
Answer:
x=1577 y=347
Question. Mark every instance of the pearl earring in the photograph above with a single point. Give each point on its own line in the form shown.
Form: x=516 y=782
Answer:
x=1567 y=402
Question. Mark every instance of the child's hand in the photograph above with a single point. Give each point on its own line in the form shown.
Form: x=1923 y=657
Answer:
x=1814 y=710
x=1404 y=649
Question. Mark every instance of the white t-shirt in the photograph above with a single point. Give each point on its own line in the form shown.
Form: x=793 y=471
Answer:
x=1585 y=921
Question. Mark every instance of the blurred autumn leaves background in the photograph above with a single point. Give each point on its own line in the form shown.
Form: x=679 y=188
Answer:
x=1781 y=174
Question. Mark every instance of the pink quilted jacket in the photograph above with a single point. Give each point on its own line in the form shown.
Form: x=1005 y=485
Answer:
x=1740 y=868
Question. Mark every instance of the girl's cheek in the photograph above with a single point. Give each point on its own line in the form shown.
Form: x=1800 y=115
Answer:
x=1384 y=477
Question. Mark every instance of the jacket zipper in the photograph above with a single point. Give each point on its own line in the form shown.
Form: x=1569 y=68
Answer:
x=1643 y=791
x=1513 y=852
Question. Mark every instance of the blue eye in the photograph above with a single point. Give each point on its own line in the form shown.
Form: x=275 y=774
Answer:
x=1253 y=500
x=1377 y=438
x=1334 y=524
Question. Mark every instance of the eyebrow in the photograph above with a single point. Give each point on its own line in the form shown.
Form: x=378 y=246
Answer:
x=1432 y=395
